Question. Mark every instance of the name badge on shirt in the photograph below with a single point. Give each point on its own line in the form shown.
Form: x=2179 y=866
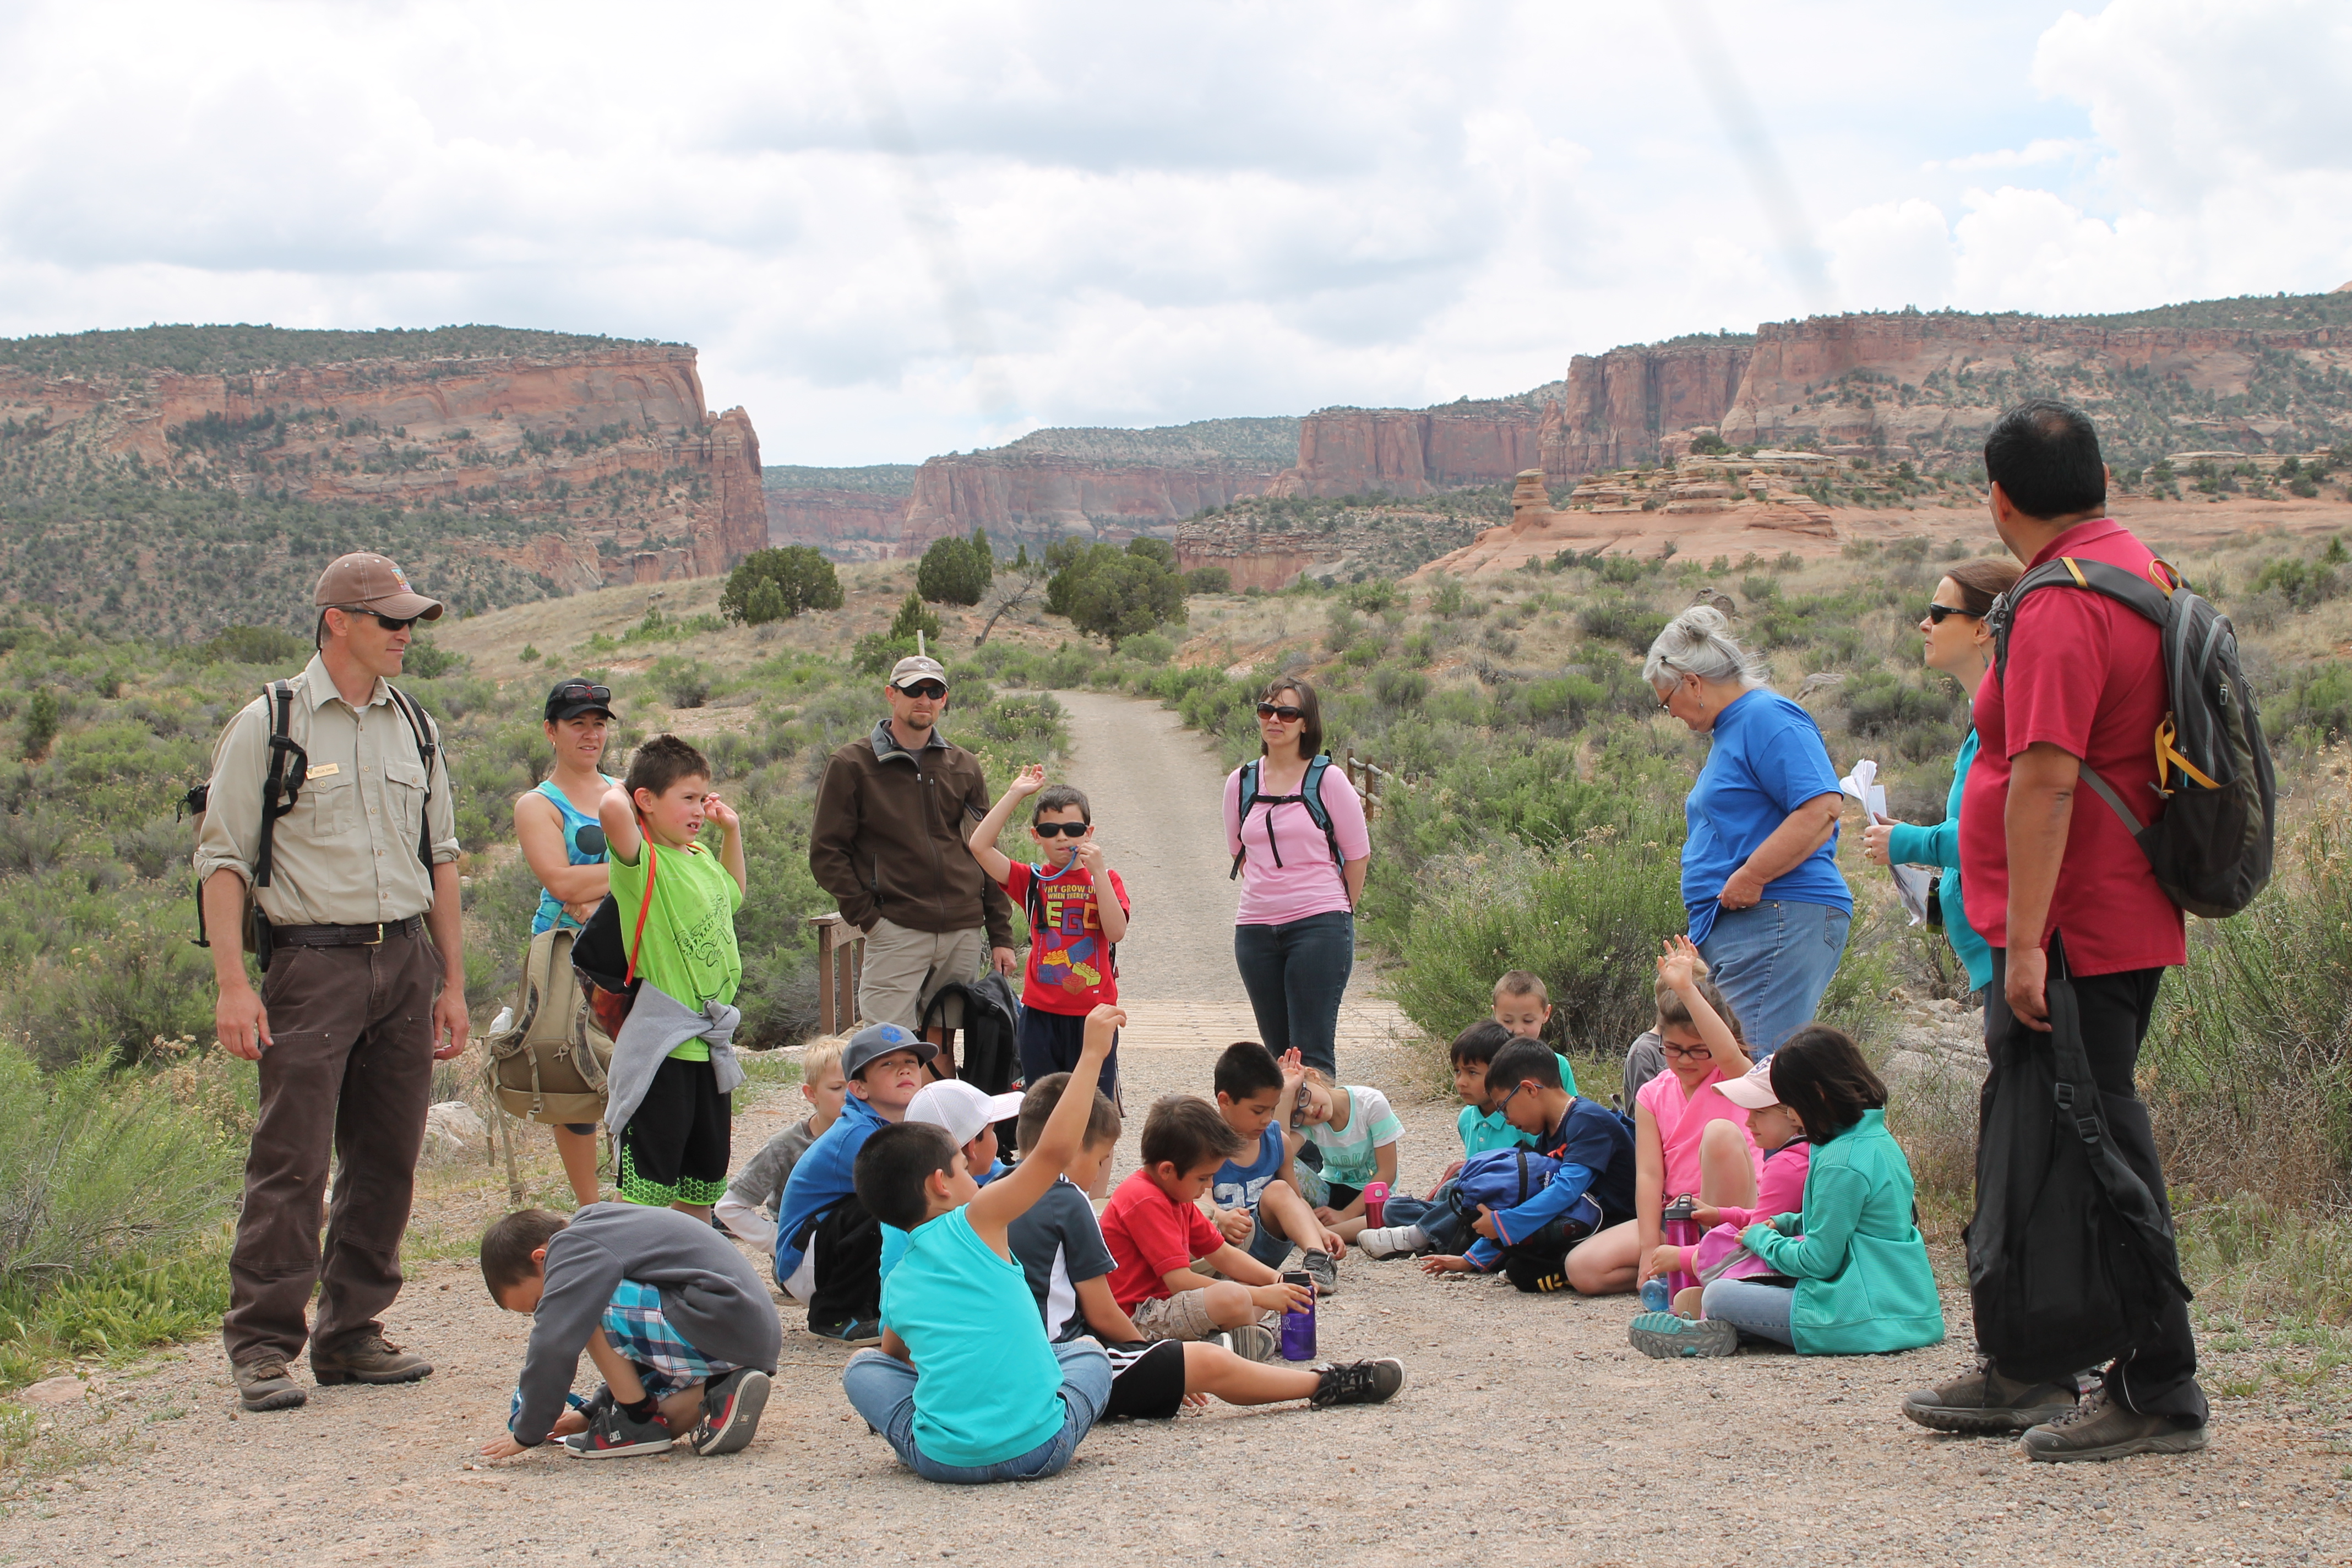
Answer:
x=324 y=771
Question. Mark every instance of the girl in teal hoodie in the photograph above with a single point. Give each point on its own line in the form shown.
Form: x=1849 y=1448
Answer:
x=1860 y=1281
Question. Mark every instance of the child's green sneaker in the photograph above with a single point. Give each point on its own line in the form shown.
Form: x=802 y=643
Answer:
x=1663 y=1336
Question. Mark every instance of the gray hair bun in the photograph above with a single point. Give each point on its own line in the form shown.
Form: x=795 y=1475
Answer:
x=1698 y=642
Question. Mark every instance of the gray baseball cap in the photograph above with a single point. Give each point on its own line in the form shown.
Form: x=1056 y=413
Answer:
x=875 y=1041
x=918 y=666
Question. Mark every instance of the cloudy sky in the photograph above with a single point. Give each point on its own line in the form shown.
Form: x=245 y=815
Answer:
x=894 y=229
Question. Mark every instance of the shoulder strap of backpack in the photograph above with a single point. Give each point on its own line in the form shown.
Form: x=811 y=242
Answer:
x=428 y=746
x=638 y=937
x=289 y=765
x=1310 y=795
x=1241 y=815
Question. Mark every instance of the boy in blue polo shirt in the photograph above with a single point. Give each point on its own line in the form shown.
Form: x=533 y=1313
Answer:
x=1259 y=1206
x=966 y=1388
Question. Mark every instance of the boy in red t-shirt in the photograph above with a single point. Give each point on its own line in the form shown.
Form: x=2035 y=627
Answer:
x=1078 y=915
x=1155 y=1230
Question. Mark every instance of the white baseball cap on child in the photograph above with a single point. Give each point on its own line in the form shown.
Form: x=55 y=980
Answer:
x=1752 y=1091
x=963 y=1111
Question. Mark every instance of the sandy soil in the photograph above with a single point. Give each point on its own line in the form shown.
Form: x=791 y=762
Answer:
x=1529 y=1430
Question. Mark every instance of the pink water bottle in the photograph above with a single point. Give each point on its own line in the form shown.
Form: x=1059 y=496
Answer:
x=1376 y=1200
x=1677 y=1228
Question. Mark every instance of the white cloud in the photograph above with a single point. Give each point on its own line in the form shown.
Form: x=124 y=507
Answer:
x=1165 y=213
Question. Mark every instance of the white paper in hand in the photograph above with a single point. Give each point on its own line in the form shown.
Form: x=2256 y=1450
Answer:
x=1910 y=883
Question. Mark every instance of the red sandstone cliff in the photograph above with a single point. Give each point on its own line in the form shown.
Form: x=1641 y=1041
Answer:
x=1012 y=493
x=1620 y=402
x=613 y=449
x=1410 y=452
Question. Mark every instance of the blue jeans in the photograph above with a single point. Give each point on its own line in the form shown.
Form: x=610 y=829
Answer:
x=881 y=1388
x=1295 y=975
x=1447 y=1231
x=1758 y=1311
x=1772 y=962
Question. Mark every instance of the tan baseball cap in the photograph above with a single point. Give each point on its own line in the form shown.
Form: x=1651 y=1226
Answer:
x=366 y=581
x=916 y=667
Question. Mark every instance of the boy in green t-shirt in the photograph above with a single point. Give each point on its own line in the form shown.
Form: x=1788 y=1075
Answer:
x=675 y=1141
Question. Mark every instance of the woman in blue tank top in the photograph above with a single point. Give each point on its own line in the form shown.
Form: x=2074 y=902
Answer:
x=573 y=877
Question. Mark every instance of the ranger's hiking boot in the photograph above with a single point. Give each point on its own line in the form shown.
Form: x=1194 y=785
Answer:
x=1985 y=1403
x=366 y=1358
x=1663 y=1336
x=263 y=1384
x=2101 y=1429
x=730 y=1412
x=1357 y=1383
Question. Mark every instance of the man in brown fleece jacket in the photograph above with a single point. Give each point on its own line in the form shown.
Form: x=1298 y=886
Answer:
x=892 y=814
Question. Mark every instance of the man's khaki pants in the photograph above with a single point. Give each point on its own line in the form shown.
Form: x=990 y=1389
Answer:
x=904 y=969
x=349 y=1076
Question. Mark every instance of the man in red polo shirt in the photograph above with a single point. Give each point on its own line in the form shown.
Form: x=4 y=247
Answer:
x=2040 y=859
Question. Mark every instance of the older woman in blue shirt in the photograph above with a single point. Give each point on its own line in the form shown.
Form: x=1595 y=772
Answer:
x=1960 y=645
x=1768 y=908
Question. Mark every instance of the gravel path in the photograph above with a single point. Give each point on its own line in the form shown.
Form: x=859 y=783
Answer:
x=1529 y=1431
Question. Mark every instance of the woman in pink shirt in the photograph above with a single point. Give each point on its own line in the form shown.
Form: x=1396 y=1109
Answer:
x=1687 y=1138
x=1301 y=871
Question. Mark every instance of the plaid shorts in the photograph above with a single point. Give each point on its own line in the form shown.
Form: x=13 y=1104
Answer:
x=634 y=1326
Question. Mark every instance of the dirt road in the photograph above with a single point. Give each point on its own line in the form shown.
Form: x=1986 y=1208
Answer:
x=1529 y=1431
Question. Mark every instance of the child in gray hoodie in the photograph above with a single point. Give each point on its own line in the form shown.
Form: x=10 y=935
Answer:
x=673 y=1316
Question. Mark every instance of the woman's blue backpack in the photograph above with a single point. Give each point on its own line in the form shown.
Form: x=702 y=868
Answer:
x=1502 y=1179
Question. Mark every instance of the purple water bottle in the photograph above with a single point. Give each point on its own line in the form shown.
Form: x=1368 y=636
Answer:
x=1298 y=1322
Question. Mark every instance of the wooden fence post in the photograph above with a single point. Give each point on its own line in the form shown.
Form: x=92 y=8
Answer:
x=840 y=960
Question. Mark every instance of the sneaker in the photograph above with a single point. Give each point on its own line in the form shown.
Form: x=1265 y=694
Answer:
x=856 y=1331
x=613 y=1433
x=366 y=1357
x=1984 y=1404
x=2101 y=1429
x=1324 y=1272
x=1396 y=1238
x=1357 y=1383
x=263 y=1386
x=1255 y=1342
x=730 y=1412
x=1661 y=1336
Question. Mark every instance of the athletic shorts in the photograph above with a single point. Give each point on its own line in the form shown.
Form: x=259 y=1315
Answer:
x=676 y=1145
x=1053 y=1042
x=1146 y=1380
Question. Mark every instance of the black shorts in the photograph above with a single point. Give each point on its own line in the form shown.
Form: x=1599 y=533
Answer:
x=1147 y=1381
x=678 y=1141
x=1053 y=1042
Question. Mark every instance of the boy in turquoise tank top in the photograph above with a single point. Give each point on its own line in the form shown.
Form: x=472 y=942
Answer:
x=966 y=1388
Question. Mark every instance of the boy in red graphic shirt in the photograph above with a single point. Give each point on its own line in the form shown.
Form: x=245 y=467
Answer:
x=1078 y=915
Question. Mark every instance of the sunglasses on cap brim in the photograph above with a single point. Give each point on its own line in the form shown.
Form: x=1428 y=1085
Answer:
x=579 y=691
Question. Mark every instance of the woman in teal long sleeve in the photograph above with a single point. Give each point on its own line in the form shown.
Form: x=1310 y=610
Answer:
x=1863 y=1284
x=1958 y=644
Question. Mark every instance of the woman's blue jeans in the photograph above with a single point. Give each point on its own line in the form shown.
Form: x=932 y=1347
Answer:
x=1758 y=1311
x=1773 y=961
x=882 y=1389
x=1295 y=975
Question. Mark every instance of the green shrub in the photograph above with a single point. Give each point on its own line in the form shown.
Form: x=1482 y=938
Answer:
x=804 y=579
x=682 y=682
x=428 y=660
x=955 y=571
x=1617 y=619
x=40 y=724
x=2320 y=700
x=1396 y=688
x=914 y=616
x=1114 y=594
x=2304 y=584
x=255 y=644
x=1208 y=579
x=1147 y=647
x=1587 y=919
x=1879 y=703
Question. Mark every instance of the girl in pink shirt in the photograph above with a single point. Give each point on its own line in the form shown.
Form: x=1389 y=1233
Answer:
x=1687 y=1138
x=1780 y=1133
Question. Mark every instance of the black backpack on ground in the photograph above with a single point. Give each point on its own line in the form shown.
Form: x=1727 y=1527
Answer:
x=2071 y=1260
x=2216 y=815
x=992 y=1037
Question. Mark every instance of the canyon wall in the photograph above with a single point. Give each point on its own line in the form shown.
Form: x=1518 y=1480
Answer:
x=1412 y=452
x=1045 y=495
x=611 y=453
x=845 y=525
x=1620 y=402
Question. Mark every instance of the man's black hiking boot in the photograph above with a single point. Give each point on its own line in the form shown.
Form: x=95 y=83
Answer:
x=1359 y=1382
x=1985 y=1403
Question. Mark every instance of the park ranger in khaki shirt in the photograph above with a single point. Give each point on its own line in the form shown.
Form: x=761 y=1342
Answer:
x=347 y=1023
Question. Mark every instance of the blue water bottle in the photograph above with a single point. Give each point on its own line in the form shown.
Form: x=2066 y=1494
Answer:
x=1298 y=1322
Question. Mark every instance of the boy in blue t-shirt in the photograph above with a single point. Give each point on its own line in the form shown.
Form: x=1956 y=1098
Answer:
x=1259 y=1206
x=966 y=1387
x=1532 y=1241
